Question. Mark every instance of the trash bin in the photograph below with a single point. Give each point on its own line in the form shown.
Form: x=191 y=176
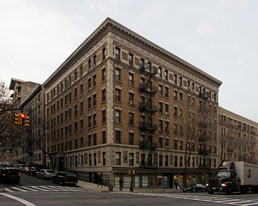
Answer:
x=110 y=187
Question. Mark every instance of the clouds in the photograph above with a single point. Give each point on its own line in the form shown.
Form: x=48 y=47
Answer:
x=219 y=37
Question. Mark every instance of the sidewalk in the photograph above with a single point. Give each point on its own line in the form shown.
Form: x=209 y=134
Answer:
x=94 y=187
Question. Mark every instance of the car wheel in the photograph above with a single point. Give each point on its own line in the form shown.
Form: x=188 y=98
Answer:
x=210 y=192
x=62 y=182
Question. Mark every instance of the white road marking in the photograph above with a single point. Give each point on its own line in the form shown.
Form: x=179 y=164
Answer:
x=25 y=202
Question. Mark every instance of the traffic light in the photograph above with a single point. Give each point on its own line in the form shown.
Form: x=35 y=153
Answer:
x=134 y=172
x=27 y=121
x=131 y=172
x=23 y=119
x=17 y=119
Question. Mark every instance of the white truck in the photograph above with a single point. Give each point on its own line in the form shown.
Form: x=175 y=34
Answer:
x=235 y=177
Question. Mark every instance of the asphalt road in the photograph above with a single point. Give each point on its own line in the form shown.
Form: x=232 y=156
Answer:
x=32 y=191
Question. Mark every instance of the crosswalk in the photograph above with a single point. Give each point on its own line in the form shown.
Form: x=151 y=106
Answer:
x=206 y=198
x=42 y=188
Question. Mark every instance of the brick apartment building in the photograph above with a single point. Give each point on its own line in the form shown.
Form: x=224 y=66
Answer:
x=119 y=101
x=238 y=137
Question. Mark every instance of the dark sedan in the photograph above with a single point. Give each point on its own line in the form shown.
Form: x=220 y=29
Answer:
x=65 y=178
x=9 y=174
x=195 y=188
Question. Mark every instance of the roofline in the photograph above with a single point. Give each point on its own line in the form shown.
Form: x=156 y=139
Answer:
x=115 y=25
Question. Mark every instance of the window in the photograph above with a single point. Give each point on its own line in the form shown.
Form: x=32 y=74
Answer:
x=175 y=79
x=118 y=74
x=180 y=145
x=103 y=95
x=104 y=158
x=90 y=159
x=117 y=53
x=180 y=96
x=94 y=81
x=131 y=118
x=166 y=126
x=166 y=161
x=118 y=95
x=130 y=59
x=103 y=74
x=89 y=121
x=160 y=72
x=175 y=144
x=95 y=139
x=104 y=137
x=81 y=89
x=160 y=160
x=75 y=75
x=160 y=125
x=166 y=92
x=175 y=111
x=118 y=116
x=95 y=159
x=94 y=100
x=142 y=63
x=149 y=67
x=180 y=81
x=131 y=98
x=181 y=162
x=89 y=64
x=89 y=102
x=81 y=107
x=118 y=137
x=131 y=138
x=160 y=142
x=166 y=74
x=94 y=119
x=166 y=109
x=89 y=83
x=160 y=90
x=175 y=95
x=104 y=53
x=118 y=158
x=160 y=107
x=103 y=116
x=175 y=162
x=131 y=79
x=90 y=140
x=131 y=159
x=81 y=70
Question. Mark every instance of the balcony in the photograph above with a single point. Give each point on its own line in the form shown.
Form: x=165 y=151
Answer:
x=148 y=108
x=147 y=126
x=147 y=144
x=144 y=88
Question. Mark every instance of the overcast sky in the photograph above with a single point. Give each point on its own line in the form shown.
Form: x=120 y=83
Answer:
x=219 y=37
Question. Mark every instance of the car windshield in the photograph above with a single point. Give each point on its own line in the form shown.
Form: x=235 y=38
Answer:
x=223 y=174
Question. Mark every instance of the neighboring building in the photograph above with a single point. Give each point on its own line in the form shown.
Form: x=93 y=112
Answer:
x=21 y=90
x=119 y=101
x=32 y=147
x=238 y=137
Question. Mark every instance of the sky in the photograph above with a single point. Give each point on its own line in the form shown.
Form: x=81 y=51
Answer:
x=217 y=36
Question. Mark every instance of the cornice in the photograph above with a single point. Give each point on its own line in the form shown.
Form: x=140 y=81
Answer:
x=111 y=25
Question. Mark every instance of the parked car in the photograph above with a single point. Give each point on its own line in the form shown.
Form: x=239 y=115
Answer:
x=9 y=174
x=45 y=174
x=32 y=171
x=195 y=188
x=65 y=178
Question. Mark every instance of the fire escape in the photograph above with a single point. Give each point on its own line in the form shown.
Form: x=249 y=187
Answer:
x=204 y=127
x=147 y=110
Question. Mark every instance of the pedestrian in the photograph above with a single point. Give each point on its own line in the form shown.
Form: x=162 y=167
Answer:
x=176 y=184
x=121 y=183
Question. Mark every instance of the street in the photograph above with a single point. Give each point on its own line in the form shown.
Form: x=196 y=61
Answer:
x=32 y=191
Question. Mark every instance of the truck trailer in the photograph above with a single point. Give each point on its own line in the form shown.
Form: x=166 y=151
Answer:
x=234 y=177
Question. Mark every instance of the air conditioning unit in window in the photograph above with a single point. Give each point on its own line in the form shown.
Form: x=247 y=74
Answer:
x=166 y=113
x=131 y=102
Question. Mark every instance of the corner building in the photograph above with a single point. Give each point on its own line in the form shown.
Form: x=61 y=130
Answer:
x=119 y=101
